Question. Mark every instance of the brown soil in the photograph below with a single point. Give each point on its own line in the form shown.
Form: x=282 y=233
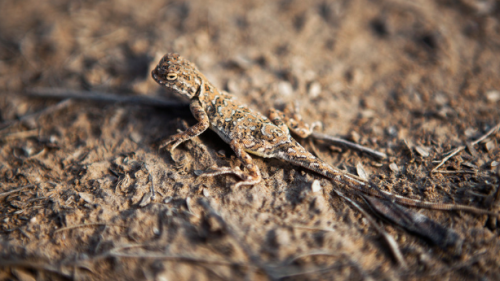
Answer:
x=394 y=76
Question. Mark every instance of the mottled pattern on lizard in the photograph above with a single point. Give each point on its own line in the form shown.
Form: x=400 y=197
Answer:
x=245 y=130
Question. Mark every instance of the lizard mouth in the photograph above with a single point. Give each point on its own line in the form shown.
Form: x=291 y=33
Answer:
x=157 y=77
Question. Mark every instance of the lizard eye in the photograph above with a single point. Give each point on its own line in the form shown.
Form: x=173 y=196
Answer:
x=171 y=76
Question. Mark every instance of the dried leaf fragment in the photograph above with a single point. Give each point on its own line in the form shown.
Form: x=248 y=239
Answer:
x=423 y=151
x=361 y=171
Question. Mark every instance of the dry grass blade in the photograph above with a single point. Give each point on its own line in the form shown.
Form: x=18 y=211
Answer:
x=460 y=148
x=253 y=257
x=393 y=246
x=19 y=135
x=348 y=144
x=3 y=194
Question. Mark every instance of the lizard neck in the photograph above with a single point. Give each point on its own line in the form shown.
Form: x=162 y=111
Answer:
x=208 y=93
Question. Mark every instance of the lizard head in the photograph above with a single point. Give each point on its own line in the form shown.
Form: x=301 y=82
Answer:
x=177 y=74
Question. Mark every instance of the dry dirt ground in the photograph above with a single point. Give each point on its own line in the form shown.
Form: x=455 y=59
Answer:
x=411 y=79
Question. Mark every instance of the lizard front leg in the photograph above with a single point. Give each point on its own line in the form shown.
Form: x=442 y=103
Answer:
x=199 y=113
x=252 y=177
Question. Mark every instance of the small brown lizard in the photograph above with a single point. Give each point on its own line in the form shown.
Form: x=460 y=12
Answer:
x=250 y=132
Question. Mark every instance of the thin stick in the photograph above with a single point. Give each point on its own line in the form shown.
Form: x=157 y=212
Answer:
x=57 y=93
x=348 y=144
x=453 y=153
x=387 y=237
x=20 y=135
x=483 y=137
x=460 y=148
x=3 y=194
x=253 y=257
x=455 y=172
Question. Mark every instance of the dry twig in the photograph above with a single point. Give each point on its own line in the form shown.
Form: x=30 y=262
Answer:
x=460 y=148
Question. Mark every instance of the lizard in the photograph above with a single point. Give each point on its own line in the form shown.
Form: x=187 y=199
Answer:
x=249 y=132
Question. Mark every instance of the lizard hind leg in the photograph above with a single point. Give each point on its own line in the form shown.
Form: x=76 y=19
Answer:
x=247 y=178
x=291 y=119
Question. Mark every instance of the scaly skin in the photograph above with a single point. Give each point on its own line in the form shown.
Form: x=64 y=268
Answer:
x=245 y=130
x=250 y=132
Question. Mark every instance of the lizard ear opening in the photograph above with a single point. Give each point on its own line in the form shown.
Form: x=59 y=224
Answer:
x=171 y=76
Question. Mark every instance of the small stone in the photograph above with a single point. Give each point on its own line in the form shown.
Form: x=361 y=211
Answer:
x=86 y=197
x=146 y=199
x=423 y=151
x=188 y=204
x=314 y=90
x=392 y=131
x=355 y=137
x=367 y=113
x=316 y=186
x=440 y=99
x=135 y=137
x=206 y=193
x=173 y=176
x=493 y=96
x=282 y=237
x=490 y=146
x=167 y=199
x=470 y=132
x=394 y=167
x=156 y=231
x=285 y=88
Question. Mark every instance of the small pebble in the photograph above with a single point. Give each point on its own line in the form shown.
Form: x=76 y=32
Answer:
x=206 y=193
x=423 y=151
x=316 y=186
x=490 y=146
x=314 y=90
x=493 y=96
x=355 y=137
x=285 y=88
x=394 y=167
x=146 y=199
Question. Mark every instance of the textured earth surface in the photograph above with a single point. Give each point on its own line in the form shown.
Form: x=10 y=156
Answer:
x=414 y=80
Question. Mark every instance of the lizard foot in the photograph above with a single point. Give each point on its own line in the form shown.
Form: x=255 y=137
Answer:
x=246 y=179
